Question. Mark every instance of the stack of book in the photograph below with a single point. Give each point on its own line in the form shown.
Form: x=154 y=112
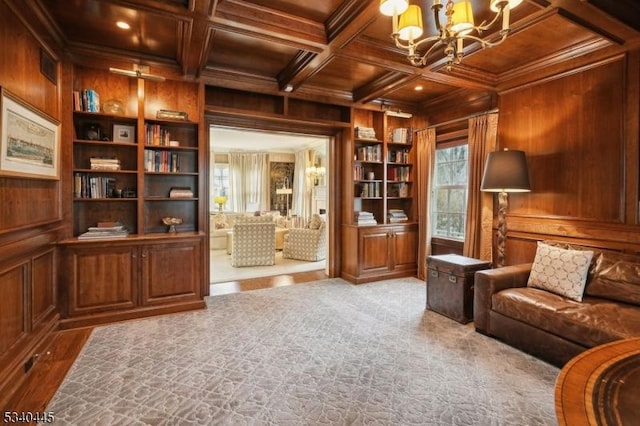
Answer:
x=396 y=215
x=104 y=163
x=365 y=133
x=365 y=218
x=180 y=192
x=105 y=230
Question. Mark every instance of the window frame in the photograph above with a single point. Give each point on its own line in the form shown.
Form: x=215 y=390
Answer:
x=448 y=238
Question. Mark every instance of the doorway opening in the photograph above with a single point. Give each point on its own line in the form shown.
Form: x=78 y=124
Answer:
x=291 y=161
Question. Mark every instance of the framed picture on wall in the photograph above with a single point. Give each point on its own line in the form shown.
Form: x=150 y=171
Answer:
x=29 y=140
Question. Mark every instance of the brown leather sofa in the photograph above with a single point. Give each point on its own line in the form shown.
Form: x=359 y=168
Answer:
x=552 y=327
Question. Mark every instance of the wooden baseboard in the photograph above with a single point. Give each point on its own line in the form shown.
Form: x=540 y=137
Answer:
x=125 y=315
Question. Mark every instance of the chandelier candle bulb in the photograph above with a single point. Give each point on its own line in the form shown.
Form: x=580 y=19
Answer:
x=458 y=25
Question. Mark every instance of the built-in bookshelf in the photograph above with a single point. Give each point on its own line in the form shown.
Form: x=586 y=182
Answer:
x=137 y=245
x=126 y=163
x=380 y=227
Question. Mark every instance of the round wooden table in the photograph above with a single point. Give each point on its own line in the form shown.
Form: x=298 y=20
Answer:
x=601 y=386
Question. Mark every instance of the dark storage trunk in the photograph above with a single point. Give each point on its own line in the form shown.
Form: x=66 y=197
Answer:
x=450 y=285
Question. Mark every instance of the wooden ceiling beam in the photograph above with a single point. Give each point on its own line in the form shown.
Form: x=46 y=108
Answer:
x=344 y=26
x=268 y=24
x=383 y=84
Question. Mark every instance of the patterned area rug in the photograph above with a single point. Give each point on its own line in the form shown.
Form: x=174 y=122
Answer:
x=222 y=271
x=322 y=353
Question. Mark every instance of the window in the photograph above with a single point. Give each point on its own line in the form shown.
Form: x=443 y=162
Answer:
x=449 y=206
x=221 y=183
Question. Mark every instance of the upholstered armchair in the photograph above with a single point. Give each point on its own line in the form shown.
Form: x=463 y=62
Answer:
x=253 y=242
x=307 y=243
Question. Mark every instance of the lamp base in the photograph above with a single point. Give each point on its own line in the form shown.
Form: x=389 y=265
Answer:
x=502 y=227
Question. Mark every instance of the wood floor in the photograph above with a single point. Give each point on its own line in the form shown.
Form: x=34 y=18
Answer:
x=48 y=373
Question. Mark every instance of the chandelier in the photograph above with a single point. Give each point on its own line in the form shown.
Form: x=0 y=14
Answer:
x=459 y=26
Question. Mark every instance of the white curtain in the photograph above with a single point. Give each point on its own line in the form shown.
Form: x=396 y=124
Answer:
x=249 y=181
x=301 y=203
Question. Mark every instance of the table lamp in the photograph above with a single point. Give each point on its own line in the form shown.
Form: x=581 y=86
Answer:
x=285 y=191
x=505 y=171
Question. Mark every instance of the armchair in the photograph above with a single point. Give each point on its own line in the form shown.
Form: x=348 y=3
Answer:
x=253 y=242
x=306 y=243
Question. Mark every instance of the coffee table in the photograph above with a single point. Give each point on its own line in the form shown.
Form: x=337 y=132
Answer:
x=601 y=386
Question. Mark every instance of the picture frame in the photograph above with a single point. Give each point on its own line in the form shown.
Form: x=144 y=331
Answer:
x=123 y=133
x=29 y=140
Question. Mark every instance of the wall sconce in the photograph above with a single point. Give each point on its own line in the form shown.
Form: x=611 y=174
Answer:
x=316 y=172
x=505 y=171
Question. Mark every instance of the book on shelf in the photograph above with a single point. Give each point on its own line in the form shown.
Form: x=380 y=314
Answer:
x=369 y=153
x=104 y=163
x=110 y=230
x=365 y=218
x=88 y=186
x=401 y=135
x=396 y=215
x=180 y=192
x=365 y=133
x=87 y=100
x=161 y=161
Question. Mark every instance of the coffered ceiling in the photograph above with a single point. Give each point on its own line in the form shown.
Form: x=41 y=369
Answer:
x=328 y=50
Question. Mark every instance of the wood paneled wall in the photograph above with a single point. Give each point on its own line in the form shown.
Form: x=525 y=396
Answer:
x=580 y=133
x=30 y=214
x=26 y=202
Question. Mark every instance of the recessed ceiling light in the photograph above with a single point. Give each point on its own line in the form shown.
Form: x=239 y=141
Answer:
x=418 y=88
x=123 y=25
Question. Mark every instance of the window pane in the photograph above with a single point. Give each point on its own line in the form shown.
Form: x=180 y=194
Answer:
x=450 y=192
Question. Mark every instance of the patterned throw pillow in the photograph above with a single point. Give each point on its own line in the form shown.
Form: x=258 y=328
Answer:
x=560 y=271
x=315 y=222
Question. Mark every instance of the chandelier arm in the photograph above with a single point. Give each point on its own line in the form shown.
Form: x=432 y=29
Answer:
x=484 y=26
x=428 y=40
x=423 y=59
x=485 y=43
x=436 y=16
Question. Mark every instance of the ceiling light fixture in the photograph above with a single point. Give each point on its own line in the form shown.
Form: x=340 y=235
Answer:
x=123 y=25
x=459 y=26
x=139 y=71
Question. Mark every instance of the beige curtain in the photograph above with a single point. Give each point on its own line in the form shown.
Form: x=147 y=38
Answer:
x=426 y=157
x=483 y=131
x=249 y=181
x=301 y=201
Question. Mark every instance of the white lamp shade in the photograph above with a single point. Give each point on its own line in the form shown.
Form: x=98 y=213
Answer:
x=462 y=17
x=393 y=7
x=410 y=26
x=512 y=4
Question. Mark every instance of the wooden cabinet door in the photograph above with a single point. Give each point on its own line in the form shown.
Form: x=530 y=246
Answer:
x=374 y=250
x=405 y=248
x=171 y=272
x=103 y=278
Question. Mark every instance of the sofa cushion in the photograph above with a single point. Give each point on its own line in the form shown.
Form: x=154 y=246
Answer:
x=561 y=271
x=592 y=322
x=616 y=276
